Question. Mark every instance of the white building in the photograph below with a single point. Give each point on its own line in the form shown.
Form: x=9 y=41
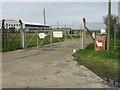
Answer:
x=103 y=31
x=26 y=25
x=10 y=23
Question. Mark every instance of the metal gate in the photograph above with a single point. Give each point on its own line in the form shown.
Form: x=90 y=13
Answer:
x=53 y=39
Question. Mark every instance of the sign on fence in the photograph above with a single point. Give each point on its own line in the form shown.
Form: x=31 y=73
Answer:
x=41 y=35
x=57 y=34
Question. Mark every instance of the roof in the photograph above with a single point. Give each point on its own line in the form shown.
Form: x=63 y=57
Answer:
x=32 y=23
x=25 y=22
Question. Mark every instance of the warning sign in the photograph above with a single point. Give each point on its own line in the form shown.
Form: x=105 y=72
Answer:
x=57 y=34
x=99 y=45
x=41 y=35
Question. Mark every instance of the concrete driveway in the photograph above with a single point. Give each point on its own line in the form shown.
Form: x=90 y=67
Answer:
x=55 y=68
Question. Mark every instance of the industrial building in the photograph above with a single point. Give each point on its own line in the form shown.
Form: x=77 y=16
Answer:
x=26 y=25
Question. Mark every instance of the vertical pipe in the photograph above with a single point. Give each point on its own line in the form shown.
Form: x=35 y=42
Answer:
x=73 y=29
x=44 y=18
x=57 y=24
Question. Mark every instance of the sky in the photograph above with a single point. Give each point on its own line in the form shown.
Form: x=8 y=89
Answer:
x=66 y=13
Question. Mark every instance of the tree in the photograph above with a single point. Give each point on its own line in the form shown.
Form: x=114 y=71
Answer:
x=114 y=21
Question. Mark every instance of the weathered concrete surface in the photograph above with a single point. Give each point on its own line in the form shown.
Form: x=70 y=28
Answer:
x=46 y=69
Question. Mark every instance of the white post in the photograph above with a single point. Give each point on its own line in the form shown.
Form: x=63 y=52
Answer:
x=93 y=35
x=65 y=38
x=23 y=38
x=82 y=39
x=23 y=44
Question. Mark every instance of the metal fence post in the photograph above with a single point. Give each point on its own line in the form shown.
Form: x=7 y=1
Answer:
x=22 y=34
x=51 y=31
x=65 y=37
x=3 y=31
x=37 y=38
x=82 y=39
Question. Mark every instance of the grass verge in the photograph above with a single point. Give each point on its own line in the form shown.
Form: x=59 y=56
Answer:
x=103 y=64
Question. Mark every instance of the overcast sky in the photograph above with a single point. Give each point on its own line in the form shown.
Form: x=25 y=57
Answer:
x=64 y=12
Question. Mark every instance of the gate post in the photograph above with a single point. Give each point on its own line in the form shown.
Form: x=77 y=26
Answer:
x=3 y=31
x=51 y=39
x=82 y=32
x=65 y=37
x=23 y=44
x=84 y=36
x=37 y=38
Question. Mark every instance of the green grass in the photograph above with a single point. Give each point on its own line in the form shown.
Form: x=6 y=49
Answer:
x=100 y=62
x=12 y=46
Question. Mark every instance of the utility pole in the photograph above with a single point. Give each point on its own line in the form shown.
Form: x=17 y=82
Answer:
x=108 y=32
x=84 y=34
x=118 y=43
x=44 y=18
x=115 y=28
x=73 y=25
x=73 y=31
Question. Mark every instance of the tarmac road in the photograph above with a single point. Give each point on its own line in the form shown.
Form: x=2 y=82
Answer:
x=35 y=68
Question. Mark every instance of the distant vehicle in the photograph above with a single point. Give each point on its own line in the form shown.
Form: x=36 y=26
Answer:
x=102 y=31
